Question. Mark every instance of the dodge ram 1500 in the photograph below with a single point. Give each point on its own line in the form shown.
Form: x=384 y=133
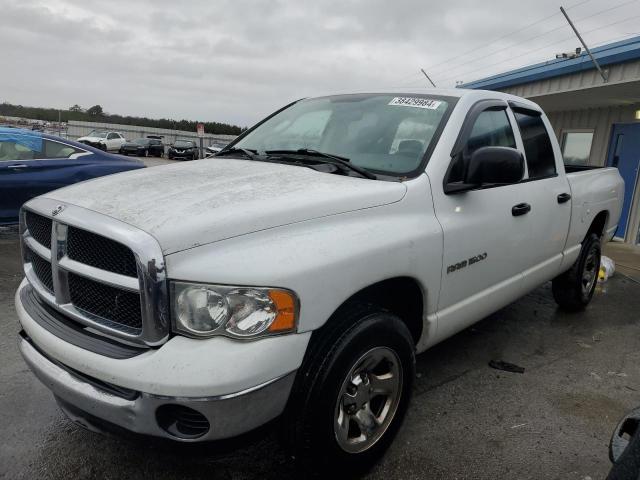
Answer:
x=295 y=275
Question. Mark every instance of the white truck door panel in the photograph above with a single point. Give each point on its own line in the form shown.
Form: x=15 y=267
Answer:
x=483 y=254
x=483 y=241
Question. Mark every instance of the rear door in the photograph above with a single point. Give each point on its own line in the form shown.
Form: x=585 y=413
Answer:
x=546 y=190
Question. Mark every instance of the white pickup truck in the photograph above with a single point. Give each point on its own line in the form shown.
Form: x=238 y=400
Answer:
x=295 y=275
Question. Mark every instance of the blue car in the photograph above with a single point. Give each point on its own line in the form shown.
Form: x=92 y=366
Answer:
x=33 y=163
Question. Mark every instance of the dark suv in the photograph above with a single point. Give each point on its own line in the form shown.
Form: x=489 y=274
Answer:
x=185 y=149
x=143 y=147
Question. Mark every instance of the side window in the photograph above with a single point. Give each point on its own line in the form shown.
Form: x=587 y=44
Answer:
x=58 y=150
x=491 y=129
x=12 y=151
x=112 y=136
x=537 y=145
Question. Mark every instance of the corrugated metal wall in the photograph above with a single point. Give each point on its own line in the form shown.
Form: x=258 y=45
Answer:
x=76 y=129
x=598 y=119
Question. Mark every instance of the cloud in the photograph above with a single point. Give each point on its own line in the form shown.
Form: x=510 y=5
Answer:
x=236 y=61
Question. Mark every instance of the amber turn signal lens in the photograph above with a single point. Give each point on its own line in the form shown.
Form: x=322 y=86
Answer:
x=286 y=305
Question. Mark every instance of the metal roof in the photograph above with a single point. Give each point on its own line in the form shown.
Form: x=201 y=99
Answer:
x=618 y=52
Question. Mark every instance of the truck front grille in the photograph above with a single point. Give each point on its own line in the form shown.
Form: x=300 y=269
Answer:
x=96 y=279
x=112 y=304
x=39 y=228
x=100 y=252
x=41 y=267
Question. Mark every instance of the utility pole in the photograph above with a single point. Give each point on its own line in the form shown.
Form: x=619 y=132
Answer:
x=425 y=74
x=575 y=30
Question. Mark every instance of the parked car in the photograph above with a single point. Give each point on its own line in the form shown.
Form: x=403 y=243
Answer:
x=143 y=147
x=183 y=149
x=282 y=281
x=33 y=163
x=624 y=448
x=104 y=140
x=214 y=148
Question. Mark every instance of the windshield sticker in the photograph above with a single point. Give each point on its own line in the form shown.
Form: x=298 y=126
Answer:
x=416 y=102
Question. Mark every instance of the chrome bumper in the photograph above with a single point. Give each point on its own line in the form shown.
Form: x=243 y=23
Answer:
x=228 y=415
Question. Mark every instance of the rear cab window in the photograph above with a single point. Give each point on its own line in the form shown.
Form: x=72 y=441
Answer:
x=538 y=149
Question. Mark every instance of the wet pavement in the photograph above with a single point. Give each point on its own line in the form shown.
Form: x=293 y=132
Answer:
x=466 y=420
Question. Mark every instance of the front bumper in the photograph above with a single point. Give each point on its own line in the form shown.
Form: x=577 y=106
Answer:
x=236 y=386
x=186 y=154
x=227 y=415
x=98 y=145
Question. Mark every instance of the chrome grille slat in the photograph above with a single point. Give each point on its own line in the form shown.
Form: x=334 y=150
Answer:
x=122 y=293
x=110 y=278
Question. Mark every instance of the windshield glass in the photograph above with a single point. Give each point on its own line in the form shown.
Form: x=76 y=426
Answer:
x=386 y=133
x=98 y=133
x=183 y=144
x=141 y=141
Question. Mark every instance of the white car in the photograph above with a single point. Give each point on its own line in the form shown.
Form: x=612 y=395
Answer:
x=201 y=300
x=212 y=149
x=104 y=140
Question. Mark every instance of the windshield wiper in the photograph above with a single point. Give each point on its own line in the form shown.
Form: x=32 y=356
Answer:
x=344 y=162
x=252 y=154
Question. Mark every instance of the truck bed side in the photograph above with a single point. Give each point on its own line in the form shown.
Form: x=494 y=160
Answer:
x=594 y=192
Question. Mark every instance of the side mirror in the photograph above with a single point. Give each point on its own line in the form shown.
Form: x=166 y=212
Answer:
x=495 y=165
x=490 y=165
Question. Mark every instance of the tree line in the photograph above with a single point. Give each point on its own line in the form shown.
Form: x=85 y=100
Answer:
x=96 y=114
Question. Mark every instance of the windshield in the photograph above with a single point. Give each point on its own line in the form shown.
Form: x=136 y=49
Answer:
x=141 y=141
x=183 y=144
x=98 y=133
x=386 y=133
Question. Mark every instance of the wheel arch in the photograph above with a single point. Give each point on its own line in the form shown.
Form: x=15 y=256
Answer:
x=404 y=296
x=598 y=224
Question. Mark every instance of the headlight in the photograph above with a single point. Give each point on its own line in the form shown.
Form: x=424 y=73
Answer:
x=203 y=310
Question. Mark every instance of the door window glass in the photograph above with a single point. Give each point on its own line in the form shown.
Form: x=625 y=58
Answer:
x=491 y=129
x=538 y=149
x=576 y=147
x=59 y=150
x=112 y=136
x=12 y=151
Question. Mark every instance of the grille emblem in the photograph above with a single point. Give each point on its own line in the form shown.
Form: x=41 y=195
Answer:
x=57 y=210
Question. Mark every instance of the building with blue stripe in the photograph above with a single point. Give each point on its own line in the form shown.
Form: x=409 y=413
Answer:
x=597 y=122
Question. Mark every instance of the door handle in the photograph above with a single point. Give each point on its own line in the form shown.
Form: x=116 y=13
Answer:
x=18 y=166
x=520 y=209
x=564 y=197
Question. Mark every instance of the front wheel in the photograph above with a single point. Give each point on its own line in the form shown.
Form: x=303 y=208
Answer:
x=574 y=289
x=351 y=392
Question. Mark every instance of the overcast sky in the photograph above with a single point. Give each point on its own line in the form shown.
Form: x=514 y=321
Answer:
x=236 y=61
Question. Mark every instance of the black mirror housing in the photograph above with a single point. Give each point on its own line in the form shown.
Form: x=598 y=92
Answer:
x=495 y=165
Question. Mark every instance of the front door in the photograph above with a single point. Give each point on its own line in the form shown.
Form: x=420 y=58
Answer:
x=624 y=153
x=485 y=243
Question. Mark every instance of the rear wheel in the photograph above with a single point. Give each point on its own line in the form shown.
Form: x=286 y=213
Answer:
x=351 y=392
x=574 y=289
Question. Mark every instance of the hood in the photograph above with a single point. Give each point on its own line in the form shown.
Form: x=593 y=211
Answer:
x=91 y=139
x=187 y=205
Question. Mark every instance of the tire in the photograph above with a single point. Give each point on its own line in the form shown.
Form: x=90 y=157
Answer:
x=574 y=289
x=325 y=394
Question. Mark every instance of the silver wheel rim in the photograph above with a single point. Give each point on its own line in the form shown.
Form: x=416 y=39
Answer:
x=589 y=273
x=368 y=400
